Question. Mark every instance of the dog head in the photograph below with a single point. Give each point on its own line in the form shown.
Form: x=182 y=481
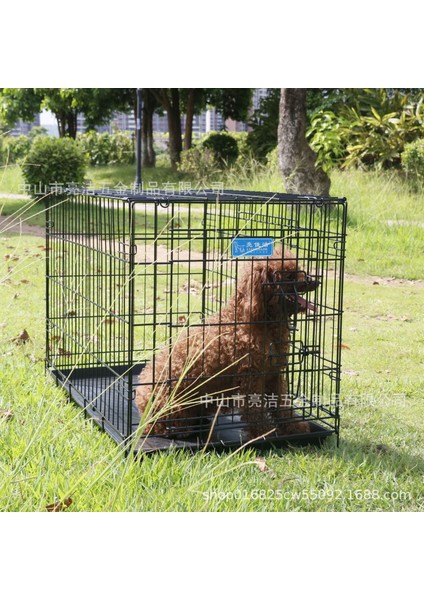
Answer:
x=275 y=286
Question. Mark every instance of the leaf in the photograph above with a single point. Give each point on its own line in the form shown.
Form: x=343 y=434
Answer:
x=344 y=346
x=25 y=281
x=59 y=506
x=263 y=467
x=375 y=113
x=63 y=352
x=382 y=449
x=6 y=415
x=22 y=338
x=91 y=338
x=33 y=358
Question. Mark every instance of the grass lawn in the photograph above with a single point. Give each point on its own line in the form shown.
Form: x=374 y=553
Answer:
x=386 y=220
x=49 y=452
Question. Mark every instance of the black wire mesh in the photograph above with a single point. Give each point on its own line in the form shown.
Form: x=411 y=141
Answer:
x=134 y=279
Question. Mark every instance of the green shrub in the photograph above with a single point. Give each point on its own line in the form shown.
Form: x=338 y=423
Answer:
x=163 y=161
x=223 y=146
x=412 y=159
x=96 y=146
x=200 y=164
x=378 y=127
x=108 y=149
x=53 y=162
x=272 y=159
x=325 y=138
x=243 y=146
x=123 y=149
x=14 y=149
x=37 y=131
x=377 y=140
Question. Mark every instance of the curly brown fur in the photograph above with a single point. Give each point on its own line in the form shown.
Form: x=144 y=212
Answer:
x=242 y=350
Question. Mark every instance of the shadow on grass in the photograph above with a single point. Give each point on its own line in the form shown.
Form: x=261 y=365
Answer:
x=360 y=453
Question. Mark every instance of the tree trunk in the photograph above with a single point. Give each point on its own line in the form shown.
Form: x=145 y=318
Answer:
x=67 y=123
x=148 y=152
x=61 y=123
x=188 y=134
x=72 y=124
x=296 y=158
x=172 y=106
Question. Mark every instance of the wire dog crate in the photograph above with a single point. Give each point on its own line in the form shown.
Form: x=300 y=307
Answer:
x=214 y=318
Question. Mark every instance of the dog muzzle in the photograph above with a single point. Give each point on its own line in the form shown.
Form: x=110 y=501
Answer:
x=293 y=291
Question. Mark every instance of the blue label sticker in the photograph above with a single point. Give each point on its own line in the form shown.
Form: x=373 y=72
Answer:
x=258 y=246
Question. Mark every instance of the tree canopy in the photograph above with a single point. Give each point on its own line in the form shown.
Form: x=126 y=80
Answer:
x=97 y=105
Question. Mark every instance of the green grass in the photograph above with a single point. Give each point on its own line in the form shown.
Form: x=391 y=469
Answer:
x=385 y=219
x=11 y=180
x=49 y=451
x=385 y=234
x=385 y=224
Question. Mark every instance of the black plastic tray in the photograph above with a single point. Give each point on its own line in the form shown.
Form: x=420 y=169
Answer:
x=113 y=414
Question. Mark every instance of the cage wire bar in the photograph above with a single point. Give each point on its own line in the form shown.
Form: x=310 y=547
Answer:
x=128 y=274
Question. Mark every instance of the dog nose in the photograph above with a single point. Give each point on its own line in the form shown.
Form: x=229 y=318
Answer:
x=311 y=284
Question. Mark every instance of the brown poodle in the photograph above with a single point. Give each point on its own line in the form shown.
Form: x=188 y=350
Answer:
x=235 y=361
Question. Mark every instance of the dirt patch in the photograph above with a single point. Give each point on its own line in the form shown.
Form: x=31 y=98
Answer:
x=15 y=196
x=146 y=253
x=402 y=223
x=13 y=225
x=385 y=281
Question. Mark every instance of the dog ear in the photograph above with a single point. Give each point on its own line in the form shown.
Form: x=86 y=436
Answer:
x=259 y=290
x=252 y=291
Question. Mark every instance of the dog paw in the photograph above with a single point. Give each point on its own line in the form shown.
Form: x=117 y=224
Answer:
x=296 y=427
x=303 y=427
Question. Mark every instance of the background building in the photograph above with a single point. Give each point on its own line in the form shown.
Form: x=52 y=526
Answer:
x=23 y=128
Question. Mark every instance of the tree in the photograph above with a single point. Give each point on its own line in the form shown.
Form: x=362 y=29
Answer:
x=150 y=105
x=169 y=99
x=100 y=104
x=194 y=101
x=65 y=104
x=18 y=103
x=232 y=103
x=97 y=104
x=264 y=124
x=296 y=158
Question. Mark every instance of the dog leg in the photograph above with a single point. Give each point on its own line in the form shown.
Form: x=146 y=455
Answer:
x=281 y=409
